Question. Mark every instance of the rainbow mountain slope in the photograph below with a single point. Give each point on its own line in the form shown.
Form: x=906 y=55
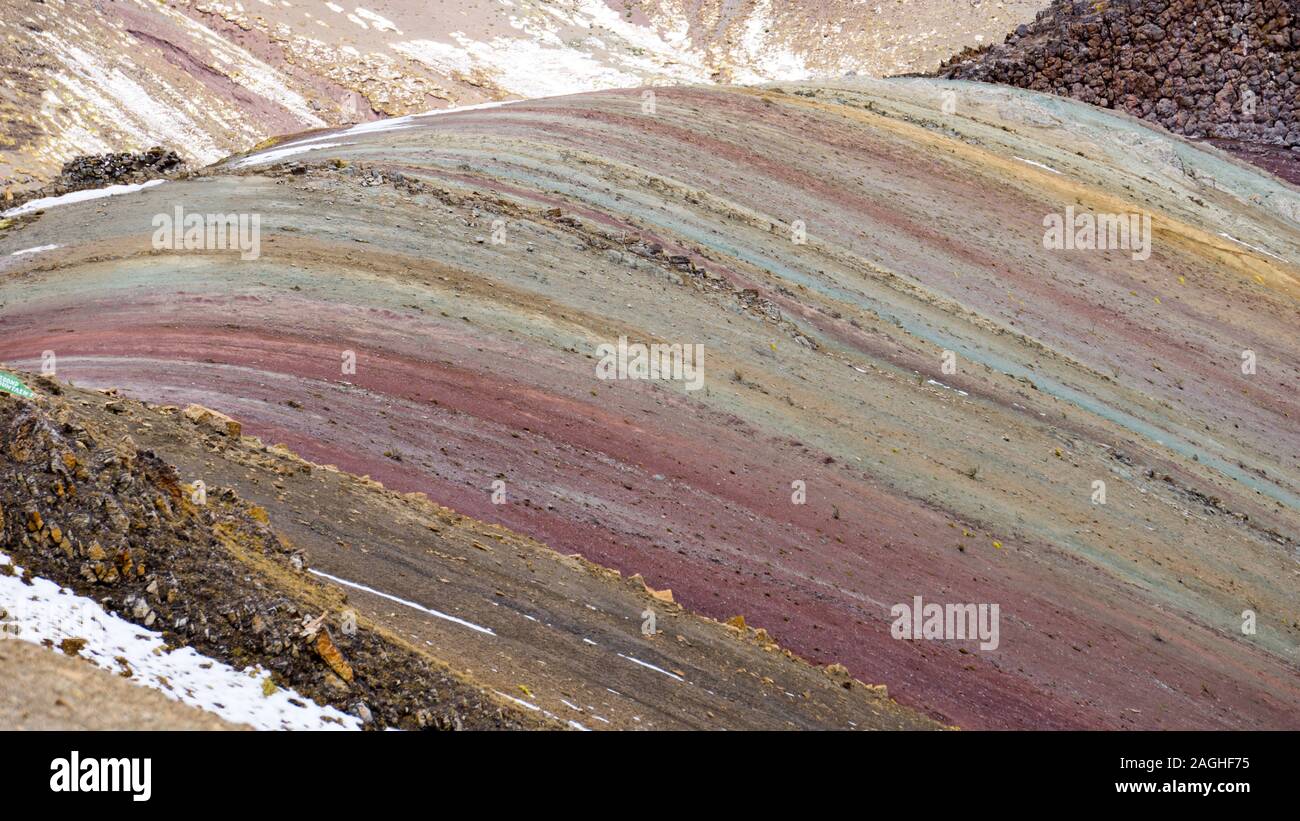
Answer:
x=905 y=392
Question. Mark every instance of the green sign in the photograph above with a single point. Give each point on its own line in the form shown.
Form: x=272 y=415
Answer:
x=10 y=384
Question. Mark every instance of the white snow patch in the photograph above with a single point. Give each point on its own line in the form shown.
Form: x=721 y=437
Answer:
x=764 y=58
x=100 y=83
x=410 y=604
x=376 y=126
x=79 y=196
x=524 y=67
x=38 y=249
x=519 y=701
x=545 y=59
x=946 y=387
x=652 y=667
x=1248 y=245
x=1040 y=165
x=277 y=154
x=475 y=107
x=376 y=21
x=320 y=141
x=43 y=611
x=529 y=705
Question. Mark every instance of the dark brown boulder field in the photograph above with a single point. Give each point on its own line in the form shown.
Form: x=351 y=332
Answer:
x=1223 y=70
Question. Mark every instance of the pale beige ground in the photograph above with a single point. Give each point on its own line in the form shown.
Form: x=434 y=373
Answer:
x=42 y=689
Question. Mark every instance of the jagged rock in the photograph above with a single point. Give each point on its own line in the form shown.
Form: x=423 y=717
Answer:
x=213 y=421
x=637 y=581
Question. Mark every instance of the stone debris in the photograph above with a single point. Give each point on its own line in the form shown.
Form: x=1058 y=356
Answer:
x=89 y=171
x=1226 y=69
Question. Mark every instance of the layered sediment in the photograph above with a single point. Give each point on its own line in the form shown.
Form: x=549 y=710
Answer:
x=906 y=390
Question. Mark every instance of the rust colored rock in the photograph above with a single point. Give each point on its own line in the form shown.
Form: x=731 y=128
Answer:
x=330 y=655
x=665 y=595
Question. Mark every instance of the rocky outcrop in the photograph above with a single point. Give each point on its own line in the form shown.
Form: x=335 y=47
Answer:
x=213 y=421
x=101 y=170
x=113 y=522
x=1225 y=69
x=96 y=170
